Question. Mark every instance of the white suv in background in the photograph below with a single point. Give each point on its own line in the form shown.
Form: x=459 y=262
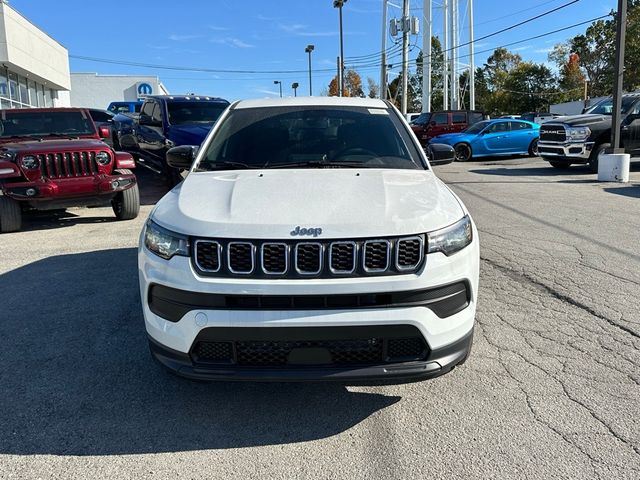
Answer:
x=309 y=241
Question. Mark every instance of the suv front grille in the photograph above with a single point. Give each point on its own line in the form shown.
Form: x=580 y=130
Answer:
x=304 y=259
x=68 y=165
x=552 y=133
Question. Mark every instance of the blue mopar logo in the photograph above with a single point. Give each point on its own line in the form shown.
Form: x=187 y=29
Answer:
x=144 y=89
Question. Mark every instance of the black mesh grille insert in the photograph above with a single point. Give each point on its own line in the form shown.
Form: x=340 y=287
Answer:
x=213 y=352
x=409 y=253
x=274 y=258
x=343 y=257
x=376 y=255
x=406 y=348
x=309 y=257
x=240 y=257
x=342 y=352
x=208 y=256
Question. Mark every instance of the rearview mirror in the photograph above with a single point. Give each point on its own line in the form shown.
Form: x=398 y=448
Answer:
x=182 y=156
x=439 y=153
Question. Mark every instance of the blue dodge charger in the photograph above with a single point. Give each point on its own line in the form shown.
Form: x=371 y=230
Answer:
x=492 y=138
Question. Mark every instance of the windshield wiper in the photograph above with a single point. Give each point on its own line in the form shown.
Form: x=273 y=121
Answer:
x=59 y=134
x=316 y=164
x=228 y=163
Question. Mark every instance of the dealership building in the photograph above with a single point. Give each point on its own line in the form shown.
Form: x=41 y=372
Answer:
x=34 y=68
x=97 y=91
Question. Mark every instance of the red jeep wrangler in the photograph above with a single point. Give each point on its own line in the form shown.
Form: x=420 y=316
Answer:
x=54 y=158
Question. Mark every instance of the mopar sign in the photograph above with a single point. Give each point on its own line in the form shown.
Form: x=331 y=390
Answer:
x=145 y=89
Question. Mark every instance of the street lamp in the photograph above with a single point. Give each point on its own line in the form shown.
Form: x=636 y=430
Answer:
x=308 y=50
x=279 y=83
x=295 y=85
x=339 y=4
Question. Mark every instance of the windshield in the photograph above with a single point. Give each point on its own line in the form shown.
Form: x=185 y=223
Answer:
x=311 y=137
x=194 y=112
x=605 y=107
x=30 y=123
x=477 y=127
x=422 y=119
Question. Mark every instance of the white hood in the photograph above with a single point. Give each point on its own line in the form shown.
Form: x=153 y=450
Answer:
x=344 y=203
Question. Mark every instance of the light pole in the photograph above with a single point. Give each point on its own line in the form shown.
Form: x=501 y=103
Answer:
x=295 y=86
x=279 y=83
x=308 y=50
x=339 y=4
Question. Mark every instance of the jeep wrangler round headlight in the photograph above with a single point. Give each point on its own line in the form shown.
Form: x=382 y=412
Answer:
x=578 y=133
x=29 y=162
x=451 y=239
x=165 y=243
x=102 y=158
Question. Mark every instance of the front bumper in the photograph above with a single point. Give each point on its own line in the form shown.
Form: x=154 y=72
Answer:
x=578 y=152
x=438 y=362
x=63 y=188
x=178 y=306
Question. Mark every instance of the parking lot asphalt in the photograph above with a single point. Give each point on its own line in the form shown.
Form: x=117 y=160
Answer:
x=552 y=389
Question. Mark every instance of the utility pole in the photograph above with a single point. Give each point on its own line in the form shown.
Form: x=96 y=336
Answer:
x=426 y=58
x=455 y=105
x=445 y=47
x=621 y=28
x=472 y=68
x=405 y=55
x=383 y=59
x=339 y=4
x=308 y=50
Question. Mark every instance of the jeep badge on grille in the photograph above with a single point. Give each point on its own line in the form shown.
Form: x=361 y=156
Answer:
x=306 y=231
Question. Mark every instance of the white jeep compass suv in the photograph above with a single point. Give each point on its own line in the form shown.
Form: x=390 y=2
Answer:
x=310 y=240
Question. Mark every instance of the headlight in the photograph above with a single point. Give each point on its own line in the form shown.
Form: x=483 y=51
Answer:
x=102 y=158
x=29 y=162
x=451 y=239
x=6 y=155
x=165 y=243
x=578 y=133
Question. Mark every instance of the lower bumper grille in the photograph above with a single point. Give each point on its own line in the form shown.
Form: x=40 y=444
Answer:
x=311 y=349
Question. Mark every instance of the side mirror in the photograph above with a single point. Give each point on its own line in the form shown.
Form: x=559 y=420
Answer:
x=440 y=153
x=148 y=121
x=182 y=156
x=104 y=132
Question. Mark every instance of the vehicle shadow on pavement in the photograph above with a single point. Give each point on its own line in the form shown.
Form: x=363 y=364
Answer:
x=626 y=191
x=533 y=171
x=77 y=377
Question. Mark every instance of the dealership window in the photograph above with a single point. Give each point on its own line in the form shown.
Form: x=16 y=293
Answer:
x=13 y=87
x=24 y=93
x=48 y=101
x=32 y=93
x=5 y=103
x=4 y=87
x=40 y=93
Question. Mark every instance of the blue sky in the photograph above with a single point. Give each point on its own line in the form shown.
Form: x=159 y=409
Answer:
x=269 y=36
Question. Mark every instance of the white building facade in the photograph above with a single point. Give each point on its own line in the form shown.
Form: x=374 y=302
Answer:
x=34 y=68
x=97 y=91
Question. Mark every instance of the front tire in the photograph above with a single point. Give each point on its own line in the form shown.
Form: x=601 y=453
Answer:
x=593 y=158
x=126 y=204
x=462 y=152
x=533 y=148
x=10 y=215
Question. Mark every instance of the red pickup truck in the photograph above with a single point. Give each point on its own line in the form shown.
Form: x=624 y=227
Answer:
x=54 y=158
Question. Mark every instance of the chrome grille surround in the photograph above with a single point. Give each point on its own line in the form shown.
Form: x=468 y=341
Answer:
x=337 y=271
x=399 y=250
x=218 y=248
x=297 y=258
x=368 y=245
x=286 y=258
x=252 y=250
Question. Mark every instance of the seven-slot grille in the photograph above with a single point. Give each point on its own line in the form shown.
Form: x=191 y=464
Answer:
x=68 y=164
x=552 y=133
x=300 y=259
